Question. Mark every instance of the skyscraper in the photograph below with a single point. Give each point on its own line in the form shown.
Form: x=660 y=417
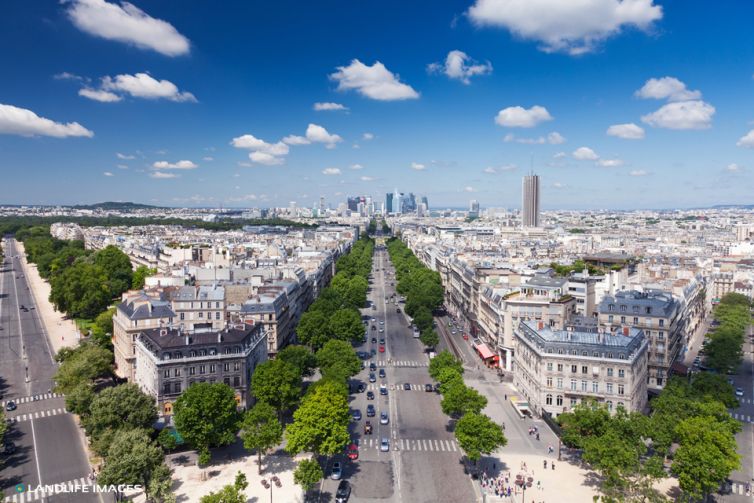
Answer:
x=530 y=201
x=473 y=208
x=425 y=202
x=389 y=202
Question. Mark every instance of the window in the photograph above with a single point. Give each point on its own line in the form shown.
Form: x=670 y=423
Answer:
x=177 y=373
x=166 y=388
x=610 y=318
x=549 y=382
x=584 y=369
x=559 y=400
x=647 y=310
x=227 y=381
x=549 y=366
x=202 y=369
x=226 y=367
x=548 y=399
x=621 y=389
x=560 y=351
x=595 y=387
x=609 y=355
x=609 y=405
x=217 y=315
x=573 y=384
x=583 y=386
x=662 y=323
x=623 y=319
x=177 y=387
x=192 y=371
x=574 y=402
x=623 y=308
x=584 y=353
x=237 y=366
x=621 y=373
x=560 y=383
x=574 y=369
x=236 y=381
x=166 y=374
x=560 y=367
x=212 y=368
x=217 y=305
x=661 y=335
x=636 y=320
x=596 y=354
x=183 y=316
x=610 y=372
x=201 y=314
x=620 y=405
x=635 y=309
x=611 y=307
x=610 y=388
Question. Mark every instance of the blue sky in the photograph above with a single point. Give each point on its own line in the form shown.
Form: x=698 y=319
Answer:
x=200 y=104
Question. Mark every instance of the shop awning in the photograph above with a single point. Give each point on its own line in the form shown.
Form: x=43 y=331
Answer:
x=484 y=351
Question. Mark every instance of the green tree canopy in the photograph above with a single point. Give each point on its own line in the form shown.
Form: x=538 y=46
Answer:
x=429 y=338
x=459 y=399
x=444 y=360
x=308 y=473
x=206 y=415
x=277 y=383
x=87 y=363
x=337 y=358
x=320 y=424
x=261 y=430
x=345 y=324
x=123 y=406
x=477 y=434
x=140 y=275
x=299 y=356
x=312 y=328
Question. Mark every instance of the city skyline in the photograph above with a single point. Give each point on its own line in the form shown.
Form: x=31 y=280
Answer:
x=149 y=104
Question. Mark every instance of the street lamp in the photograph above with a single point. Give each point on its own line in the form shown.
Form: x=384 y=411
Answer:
x=269 y=482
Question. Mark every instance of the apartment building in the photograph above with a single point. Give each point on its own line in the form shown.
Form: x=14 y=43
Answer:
x=555 y=370
x=659 y=315
x=169 y=360
x=199 y=307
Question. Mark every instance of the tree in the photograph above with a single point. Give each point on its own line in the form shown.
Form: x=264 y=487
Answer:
x=261 y=430
x=140 y=275
x=299 y=356
x=79 y=399
x=423 y=319
x=117 y=267
x=120 y=407
x=159 y=489
x=132 y=459
x=459 y=399
x=345 y=324
x=277 y=383
x=442 y=360
x=714 y=386
x=81 y=290
x=588 y=419
x=308 y=473
x=429 y=338
x=477 y=434
x=231 y=493
x=312 y=328
x=448 y=377
x=338 y=359
x=86 y=364
x=320 y=424
x=206 y=415
x=167 y=440
x=102 y=330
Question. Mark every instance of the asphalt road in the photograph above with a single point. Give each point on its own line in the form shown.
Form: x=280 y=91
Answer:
x=424 y=460
x=48 y=444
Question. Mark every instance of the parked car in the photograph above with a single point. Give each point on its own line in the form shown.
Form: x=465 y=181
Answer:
x=343 y=492
x=429 y=388
x=337 y=471
x=739 y=392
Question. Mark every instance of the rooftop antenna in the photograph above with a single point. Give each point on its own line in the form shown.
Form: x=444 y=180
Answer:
x=531 y=165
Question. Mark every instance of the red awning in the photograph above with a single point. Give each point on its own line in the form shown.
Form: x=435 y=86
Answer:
x=484 y=351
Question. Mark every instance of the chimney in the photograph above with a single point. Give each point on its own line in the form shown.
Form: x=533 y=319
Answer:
x=163 y=332
x=626 y=331
x=541 y=325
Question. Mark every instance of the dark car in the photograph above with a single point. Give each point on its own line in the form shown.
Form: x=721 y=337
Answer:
x=370 y=395
x=372 y=377
x=357 y=415
x=397 y=309
x=406 y=386
x=368 y=428
x=361 y=388
x=429 y=388
x=343 y=492
x=374 y=327
x=382 y=373
x=11 y=405
x=370 y=410
x=374 y=340
x=382 y=341
x=373 y=352
x=372 y=366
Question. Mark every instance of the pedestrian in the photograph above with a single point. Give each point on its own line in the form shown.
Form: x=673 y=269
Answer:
x=552 y=463
x=538 y=486
x=537 y=436
x=506 y=397
x=493 y=466
x=549 y=449
x=545 y=464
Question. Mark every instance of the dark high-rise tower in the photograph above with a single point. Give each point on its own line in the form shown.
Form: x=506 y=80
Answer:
x=530 y=201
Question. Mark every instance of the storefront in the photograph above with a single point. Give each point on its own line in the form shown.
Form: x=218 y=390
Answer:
x=489 y=358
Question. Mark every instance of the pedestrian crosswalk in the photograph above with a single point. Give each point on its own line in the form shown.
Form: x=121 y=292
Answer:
x=36 y=415
x=400 y=363
x=33 y=398
x=396 y=387
x=414 y=444
x=739 y=488
x=745 y=400
x=25 y=494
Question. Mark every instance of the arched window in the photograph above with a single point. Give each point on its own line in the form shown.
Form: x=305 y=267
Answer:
x=559 y=400
x=548 y=399
x=609 y=405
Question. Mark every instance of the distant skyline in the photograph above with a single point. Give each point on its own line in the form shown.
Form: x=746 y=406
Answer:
x=615 y=104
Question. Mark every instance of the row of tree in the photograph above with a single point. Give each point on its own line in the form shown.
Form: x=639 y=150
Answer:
x=421 y=286
x=335 y=314
x=724 y=351
x=476 y=433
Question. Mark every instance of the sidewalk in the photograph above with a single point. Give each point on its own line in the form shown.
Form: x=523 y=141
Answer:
x=61 y=332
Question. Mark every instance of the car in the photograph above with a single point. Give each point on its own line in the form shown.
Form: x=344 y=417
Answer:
x=357 y=415
x=429 y=388
x=373 y=320
x=382 y=330
x=382 y=373
x=352 y=451
x=372 y=352
x=466 y=337
x=10 y=406
x=739 y=392
x=382 y=349
x=370 y=410
x=384 y=444
x=407 y=386
x=374 y=328
x=374 y=340
x=368 y=428
x=370 y=395
x=382 y=341
x=382 y=322
x=372 y=377
x=343 y=492
x=374 y=307
x=361 y=388
x=384 y=418
x=383 y=389
x=372 y=366
x=397 y=309
x=9 y=448
x=730 y=381
x=337 y=471
x=453 y=331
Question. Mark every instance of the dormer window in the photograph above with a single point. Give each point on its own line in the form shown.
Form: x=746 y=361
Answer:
x=611 y=307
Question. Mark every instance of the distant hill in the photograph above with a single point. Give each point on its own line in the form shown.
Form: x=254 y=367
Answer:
x=733 y=207
x=112 y=205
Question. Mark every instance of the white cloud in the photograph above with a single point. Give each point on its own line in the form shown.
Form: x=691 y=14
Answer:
x=331 y=171
x=638 y=172
x=143 y=85
x=269 y=154
x=585 y=154
x=265 y=158
x=69 y=76
x=174 y=165
x=375 y=82
x=459 y=66
x=560 y=155
x=682 y=115
x=669 y=88
x=126 y=157
x=628 y=131
x=107 y=173
x=522 y=117
x=367 y=178
x=469 y=188
x=574 y=27
x=99 y=95
x=558 y=185
x=208 y=158
x=321 y=107
x=367 y=136
x=492 y=170
x=418 y=166
x=293 y=139
x=734 y=168
x=127 y=23
x=356 y=166
x=24 y=122
x=610 y=163
x=318 y=134
x=746 y=141
x=553 y=138
x=239 y=199
x=162 y=175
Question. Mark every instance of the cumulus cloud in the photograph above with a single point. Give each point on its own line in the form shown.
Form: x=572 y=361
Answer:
x=558 y=185
x=293 y=139
x=610 y=163
x=418 y=166
x=459 y=66
x=367 y=136
x=331 y=171
x=265 y=158
x=629 y=131
x=681 y=115
x=553 y=138
x=375 y=82
x=127 y=23
x=522 y=117
x=493 y=170
x=125 y=157
x=367 y=178
x=162 y=175
x=585 y=154
x=269 y=154
x=746 y=141
x=669 y=88
x=469 y=188
x=99 y=95
x=570 y=27
x=24 y=122
x=638 y=172
x=143 y=85
x=356 y=166
x=733 y=168
x=174 y=165
x=108 y=173
x=328 y=106
x=319 y=134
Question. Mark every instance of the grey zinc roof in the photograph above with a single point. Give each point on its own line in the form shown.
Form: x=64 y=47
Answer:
x=174 y=338
x=582 y=339
x=140 y=310
x=546 y=281
x=199 y=293
x=662 y=303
